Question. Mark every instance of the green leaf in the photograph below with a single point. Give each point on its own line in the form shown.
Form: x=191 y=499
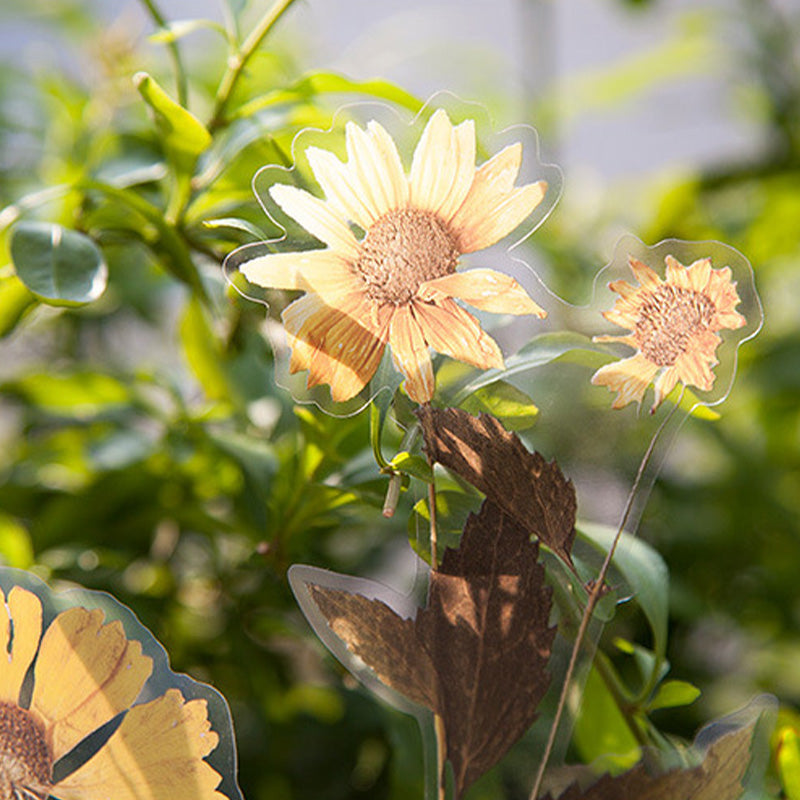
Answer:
x=452 y=510
x=413 y=465
x=645 y=572
x=502 y=400
x=15 y=300
x=16 y=549
x=788 y=757
x=203 y=353
x=79 y=394
x=183 y=136
x=602 y=735
x=60 y=266
x=179 y=28
x=672 y=694
x=238 y=224
x=317 y=83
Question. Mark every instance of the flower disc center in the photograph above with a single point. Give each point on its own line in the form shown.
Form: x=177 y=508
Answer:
x=25 y=762
x=403 y=249
x=668 y=320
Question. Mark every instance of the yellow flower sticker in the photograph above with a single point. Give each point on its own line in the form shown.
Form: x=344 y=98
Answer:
x=398 y=283
x=673 y=325
x=85 y=674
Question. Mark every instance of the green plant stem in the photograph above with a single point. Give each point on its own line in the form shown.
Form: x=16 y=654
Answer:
x=591 y=603
x=238 y=61
x=181 y=83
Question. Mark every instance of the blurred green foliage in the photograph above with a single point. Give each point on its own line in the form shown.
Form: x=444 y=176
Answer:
x=146 y=450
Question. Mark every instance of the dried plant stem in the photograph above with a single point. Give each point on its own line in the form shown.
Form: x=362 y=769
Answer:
x=434 y=535
x=238 y=60
x=441 y=755
x=594 y=597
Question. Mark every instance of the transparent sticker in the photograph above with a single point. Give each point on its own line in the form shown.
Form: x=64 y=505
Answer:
x=89 y=707
x=383 y=223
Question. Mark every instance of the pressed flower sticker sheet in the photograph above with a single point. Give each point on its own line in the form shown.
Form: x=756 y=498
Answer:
x=90 y=709
x=416 y=218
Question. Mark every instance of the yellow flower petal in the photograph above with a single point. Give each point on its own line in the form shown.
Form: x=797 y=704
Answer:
x=25 y=614
x=463 y=143
x=341 y=188
x=85 y=674
x=410 y=355
x=392 y=174
x=485 y=289
x=646 y=277
x=500 y=218
x=324 y=272
x=317 y=217
x=434 y=165
x=698 y=274
x=451 y=330
x=664 y=384
x=155 y=754
x=629 y=377
x=677 y=274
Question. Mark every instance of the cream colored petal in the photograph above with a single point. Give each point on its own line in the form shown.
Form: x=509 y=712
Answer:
x=623 y=288
x=664 y=385
x=410 y=355
x=485 y=289
x=498 y=219
x=699 y=273
x=451 y=330
x=85 y=674
x=625 y=318
x=695 y=370
x=317 y=217
x=629 y=378
x=324 y=272
x=491 y=181
x=341 y=189
x=155 y=754
x=306 y=322
x=393 y=175
x=677 y=274
x=435 y=164
x=22 y=612
x=349 y=355
x=646 y=277
x=464 y=148
x=368 y=171
x=629 y=340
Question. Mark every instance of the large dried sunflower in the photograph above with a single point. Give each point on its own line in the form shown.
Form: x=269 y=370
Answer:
x=673 y=326
x=85 y=674
x=397 y=284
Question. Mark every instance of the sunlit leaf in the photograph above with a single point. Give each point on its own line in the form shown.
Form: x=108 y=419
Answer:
x=238 y=224
x=672 y=694
x=179 y=28
x=15 y=300
x=16 y=548
x=78 y=394
x=788 y=758
x=60 y=266
x=502 y=400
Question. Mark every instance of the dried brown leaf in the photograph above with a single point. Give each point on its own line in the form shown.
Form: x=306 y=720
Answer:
x=525 y=486
x=718 y=777
x=477 y=653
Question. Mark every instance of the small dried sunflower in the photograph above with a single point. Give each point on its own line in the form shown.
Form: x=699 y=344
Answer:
x=397 y=284
x=85 y=674
x=673 y=326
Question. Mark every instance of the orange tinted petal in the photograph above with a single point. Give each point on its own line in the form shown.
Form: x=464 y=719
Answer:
x=155 y=754
x=629 y=378
x=85 y=674
x=646 y=277
x=451 y=330
x=485 y=289
x=24 y=613
x=410 y=355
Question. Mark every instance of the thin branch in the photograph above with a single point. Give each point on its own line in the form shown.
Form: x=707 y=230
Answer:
x=594 y=597
x=238 y=61
x=181 y=83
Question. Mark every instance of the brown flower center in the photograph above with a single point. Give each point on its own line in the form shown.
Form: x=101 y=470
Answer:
x=25 y=761
x=668 y=320
x=401 y=250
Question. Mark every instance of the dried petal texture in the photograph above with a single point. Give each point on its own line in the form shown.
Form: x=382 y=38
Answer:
x=21 y=627
x=673 y=326
x=718 y=777
x=477 y=653
x=103 y=670
x=532 y=491
x=85 y=674
x=156 y=754
x=397 y=284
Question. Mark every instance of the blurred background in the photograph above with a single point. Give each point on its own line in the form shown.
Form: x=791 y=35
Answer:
x=145 y=450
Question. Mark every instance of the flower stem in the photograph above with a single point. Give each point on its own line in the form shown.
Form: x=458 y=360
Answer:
x=594 y=597
x=238 y=60
x=181 y=83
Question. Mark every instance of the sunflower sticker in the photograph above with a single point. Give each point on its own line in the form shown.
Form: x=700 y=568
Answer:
x=89 y=711
x=391 y=271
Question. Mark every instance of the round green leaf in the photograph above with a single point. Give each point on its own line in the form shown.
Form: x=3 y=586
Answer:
x=60 y=266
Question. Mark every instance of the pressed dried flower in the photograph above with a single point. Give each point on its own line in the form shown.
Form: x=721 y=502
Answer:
x=397 y=284
x=85 y=674
x=673 y=324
